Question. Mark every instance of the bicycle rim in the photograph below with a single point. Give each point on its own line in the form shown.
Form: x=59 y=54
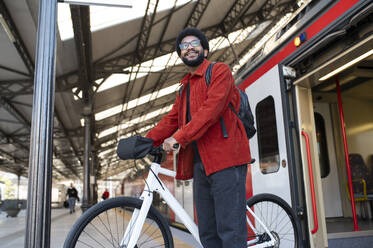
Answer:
x=278 y=217
x=104 y=225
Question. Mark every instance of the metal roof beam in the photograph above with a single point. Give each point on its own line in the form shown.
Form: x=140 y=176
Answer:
x=26 y=123
x=145 y=31
x=18 y=42
x=11 y=88
x=264 y=14
x=8 y=105
x=83 y=41
x=238 y=9
x=14 y=71
x=146 y=27
x=282 y=10
x=197 y=13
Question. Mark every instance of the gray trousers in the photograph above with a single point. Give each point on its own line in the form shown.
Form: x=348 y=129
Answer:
x=72 y=203
x=221 y=206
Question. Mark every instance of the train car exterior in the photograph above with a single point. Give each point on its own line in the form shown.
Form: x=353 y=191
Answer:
x=310 y=149
x=308 y=152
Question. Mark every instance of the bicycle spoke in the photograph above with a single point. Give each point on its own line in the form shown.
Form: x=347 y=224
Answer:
x=116 y=222
x=111 y=233
x=276 y=215
x=98 y=230
x=87 y=245
x=92 y=239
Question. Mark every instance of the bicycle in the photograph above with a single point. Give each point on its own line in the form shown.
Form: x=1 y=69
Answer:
x=128 y=222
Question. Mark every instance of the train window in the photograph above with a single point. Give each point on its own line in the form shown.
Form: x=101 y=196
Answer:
x=322 y=145
x=269 y=157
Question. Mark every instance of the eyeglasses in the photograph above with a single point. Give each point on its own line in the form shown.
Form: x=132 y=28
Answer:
x=193 y=43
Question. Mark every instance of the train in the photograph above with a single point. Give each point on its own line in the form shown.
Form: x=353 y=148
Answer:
x=310 y=87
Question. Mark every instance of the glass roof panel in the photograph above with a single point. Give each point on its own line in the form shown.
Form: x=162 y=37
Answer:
x=135 y=121
x=109 y=112
x=114 y=80
x=65 y=25
x=103 y=17
x=259 y=44
x=136 y=102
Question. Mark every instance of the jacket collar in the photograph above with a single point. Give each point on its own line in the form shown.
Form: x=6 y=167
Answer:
x=198 y=73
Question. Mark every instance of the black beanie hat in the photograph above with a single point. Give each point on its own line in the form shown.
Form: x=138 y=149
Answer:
x=194 y=32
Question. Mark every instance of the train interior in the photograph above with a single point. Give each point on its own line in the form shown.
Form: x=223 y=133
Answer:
x=339 y=82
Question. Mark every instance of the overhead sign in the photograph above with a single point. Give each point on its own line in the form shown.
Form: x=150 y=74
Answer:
x=111 y=3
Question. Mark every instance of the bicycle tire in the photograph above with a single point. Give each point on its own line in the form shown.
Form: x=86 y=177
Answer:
x=98 y=226
x=278 y=217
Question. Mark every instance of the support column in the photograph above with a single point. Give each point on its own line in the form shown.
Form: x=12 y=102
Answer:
x=41 y=140
x=86 y=170
x=18 y=184
x=93 y=178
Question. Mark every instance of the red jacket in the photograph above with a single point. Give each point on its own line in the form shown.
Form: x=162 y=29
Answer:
x=207 y=104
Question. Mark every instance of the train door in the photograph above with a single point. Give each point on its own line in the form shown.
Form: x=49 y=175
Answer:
x=311 y=168
x=327 y=160
x=270 y=172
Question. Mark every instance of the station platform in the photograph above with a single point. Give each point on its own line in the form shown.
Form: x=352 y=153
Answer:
x=13 y=229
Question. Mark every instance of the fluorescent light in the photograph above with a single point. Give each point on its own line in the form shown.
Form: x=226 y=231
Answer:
x=345 y=66
x=7 y=29
x=111 y=3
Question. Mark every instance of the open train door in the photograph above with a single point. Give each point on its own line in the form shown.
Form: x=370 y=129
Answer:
x=311 y=168
x=271 y=172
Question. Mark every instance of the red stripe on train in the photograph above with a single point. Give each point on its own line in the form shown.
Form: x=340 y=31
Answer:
x=315 y=28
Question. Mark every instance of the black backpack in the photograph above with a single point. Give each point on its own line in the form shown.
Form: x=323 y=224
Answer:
x=244 y=112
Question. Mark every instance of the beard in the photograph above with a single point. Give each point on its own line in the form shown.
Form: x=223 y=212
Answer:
x=194 y=62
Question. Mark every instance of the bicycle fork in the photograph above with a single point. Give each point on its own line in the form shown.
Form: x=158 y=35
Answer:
x=136 y=223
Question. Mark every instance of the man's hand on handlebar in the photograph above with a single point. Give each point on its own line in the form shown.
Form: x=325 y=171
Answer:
x=170 y=144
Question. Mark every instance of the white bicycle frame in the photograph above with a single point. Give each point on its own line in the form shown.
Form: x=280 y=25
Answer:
x=153 y=183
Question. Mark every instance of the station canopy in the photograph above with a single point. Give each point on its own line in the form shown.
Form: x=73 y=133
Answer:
x=118 y=67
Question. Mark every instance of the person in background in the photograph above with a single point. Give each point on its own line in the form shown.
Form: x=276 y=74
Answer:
x=105 y=195
x=216 y=162
x=72 y=195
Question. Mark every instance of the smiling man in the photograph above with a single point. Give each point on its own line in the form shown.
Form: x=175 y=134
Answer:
x=214 y=148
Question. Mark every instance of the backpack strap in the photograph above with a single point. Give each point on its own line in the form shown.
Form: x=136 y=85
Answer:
x=180 y=90
x=208 y=81
x=208 y=73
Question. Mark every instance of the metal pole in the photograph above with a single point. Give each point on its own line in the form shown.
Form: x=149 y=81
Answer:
x=93 y=174
x=18 y=183
x=41 y=139
x=87 y=152
x=341 y=116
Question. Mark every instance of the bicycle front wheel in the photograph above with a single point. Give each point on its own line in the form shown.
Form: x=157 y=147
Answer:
x=278 y=217
x=104 y=225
